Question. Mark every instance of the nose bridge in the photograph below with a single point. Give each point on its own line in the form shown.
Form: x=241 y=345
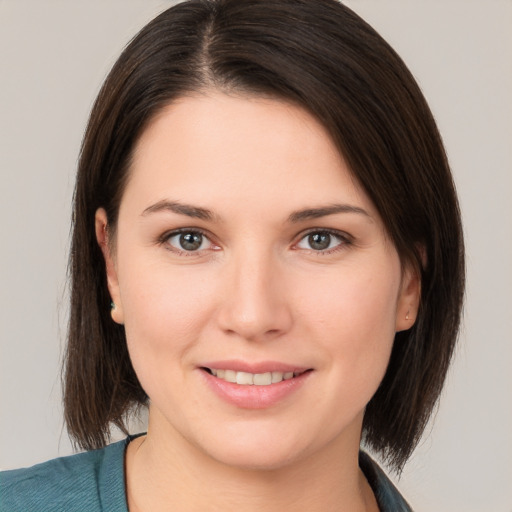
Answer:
x=255 y=305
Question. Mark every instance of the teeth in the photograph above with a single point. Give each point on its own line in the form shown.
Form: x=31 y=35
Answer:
x=256 y=379
x=277 y=377
x=244 y=378
x=262 y=379
x=230 y=376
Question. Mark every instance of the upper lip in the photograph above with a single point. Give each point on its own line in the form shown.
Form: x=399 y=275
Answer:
x=255 y=367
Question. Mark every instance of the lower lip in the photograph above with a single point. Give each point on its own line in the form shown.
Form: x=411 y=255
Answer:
x=252 y=396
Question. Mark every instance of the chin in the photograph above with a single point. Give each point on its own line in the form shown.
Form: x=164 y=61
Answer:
x=251 y=450
x=256 y=459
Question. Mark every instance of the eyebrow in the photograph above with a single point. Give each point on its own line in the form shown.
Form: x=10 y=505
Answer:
x=316 y=213
x=180 y=208
x=197 y=212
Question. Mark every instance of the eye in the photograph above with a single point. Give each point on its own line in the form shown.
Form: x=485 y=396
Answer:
x=322 y=241
x=188 y=241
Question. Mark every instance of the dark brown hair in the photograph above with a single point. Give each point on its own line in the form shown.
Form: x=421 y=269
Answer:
x=317 y=54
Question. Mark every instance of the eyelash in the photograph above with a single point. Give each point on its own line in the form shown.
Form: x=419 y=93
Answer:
x=344 y=240
x=164 y=240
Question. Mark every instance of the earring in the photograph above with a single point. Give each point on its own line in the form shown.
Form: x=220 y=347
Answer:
x=116 y=313
x=407 y=315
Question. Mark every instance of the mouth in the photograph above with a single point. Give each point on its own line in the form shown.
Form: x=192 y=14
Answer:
x=254 y=385
x=253 y=379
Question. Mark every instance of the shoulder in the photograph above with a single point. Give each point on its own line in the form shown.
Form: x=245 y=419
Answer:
x=388 y=497
x=91 y=481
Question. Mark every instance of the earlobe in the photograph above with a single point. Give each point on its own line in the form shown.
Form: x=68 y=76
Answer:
x=102 y=237
x=409 y=299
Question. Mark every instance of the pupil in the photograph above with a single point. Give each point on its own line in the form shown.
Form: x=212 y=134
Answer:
x=319 y=241
x=191 y=241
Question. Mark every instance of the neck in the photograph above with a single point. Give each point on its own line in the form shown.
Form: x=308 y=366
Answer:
x=164 y=473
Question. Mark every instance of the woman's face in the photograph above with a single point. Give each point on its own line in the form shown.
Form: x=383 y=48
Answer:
x=245 y=251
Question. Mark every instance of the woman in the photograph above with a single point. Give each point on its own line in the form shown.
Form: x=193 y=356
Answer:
x=267 y=252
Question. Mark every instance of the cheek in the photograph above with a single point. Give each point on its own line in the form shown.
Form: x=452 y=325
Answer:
x=357 y=302
x=165 y=311
x=353 y=319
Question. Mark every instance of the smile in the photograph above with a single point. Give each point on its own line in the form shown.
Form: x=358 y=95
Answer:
x=254 y=385
x=252 y=379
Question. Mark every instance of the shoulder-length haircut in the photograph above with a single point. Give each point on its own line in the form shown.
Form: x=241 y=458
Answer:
x=321 y=56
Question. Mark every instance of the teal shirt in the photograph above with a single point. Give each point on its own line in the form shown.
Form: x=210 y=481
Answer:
x=94 y=482
x=87 y=482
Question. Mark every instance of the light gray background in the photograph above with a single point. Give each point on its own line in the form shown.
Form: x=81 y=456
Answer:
x=53 y=57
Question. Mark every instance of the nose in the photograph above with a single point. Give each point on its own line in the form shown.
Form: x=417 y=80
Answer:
x=254 y=304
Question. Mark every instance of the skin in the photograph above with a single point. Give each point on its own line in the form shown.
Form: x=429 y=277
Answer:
x=256 y=290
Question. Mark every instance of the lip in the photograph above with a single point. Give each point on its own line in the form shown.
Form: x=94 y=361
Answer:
x=254 y=367
x=254 y=397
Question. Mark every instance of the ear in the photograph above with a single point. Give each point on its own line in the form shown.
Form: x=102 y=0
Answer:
x=409 y=298
x=102 y=237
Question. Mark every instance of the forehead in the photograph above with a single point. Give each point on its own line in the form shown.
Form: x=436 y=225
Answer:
x=215 y=147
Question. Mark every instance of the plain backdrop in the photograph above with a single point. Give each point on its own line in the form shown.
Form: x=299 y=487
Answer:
x=53 y=57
